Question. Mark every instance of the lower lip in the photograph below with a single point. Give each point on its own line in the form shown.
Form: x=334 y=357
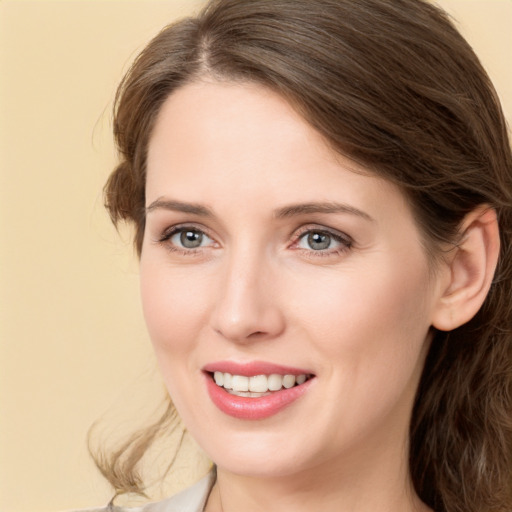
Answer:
x=245 y=408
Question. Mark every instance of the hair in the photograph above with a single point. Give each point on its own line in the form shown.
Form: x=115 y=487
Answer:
x=392 y=85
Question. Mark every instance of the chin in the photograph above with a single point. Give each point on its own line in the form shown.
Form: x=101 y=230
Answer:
x=247 y=455
x=258 y=467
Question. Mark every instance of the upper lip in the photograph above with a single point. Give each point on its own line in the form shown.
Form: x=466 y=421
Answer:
x=249 y=369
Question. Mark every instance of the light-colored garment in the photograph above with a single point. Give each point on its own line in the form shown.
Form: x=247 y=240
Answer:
x=192 y=499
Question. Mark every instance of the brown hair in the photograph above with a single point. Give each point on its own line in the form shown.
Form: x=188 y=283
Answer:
x=392 y=85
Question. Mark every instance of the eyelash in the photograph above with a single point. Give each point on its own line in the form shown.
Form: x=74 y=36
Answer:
x=344 y=240
x=166 y=236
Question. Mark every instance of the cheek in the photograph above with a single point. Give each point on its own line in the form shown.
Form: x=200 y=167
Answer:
x=371 y=322
x=371 y=338
x=174 y=306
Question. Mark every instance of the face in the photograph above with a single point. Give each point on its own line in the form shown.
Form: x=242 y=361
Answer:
x=267 y=255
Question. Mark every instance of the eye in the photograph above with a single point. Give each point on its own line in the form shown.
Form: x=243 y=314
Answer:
x=189 y=238
x=316 y=241
x=186 y=238
x=323 y=242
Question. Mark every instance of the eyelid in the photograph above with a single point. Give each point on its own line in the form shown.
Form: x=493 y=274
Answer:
x=164 y=239
x=183 y=226
x=345 y=240
x=299 y=233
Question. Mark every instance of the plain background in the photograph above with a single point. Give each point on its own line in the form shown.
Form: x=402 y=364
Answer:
x=73 y=346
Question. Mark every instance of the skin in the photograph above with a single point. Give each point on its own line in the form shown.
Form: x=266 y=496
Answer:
x=357 y=315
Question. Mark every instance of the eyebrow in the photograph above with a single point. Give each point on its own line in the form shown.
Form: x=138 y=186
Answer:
x=179 y=206
x=329 y=207
x=281 y=213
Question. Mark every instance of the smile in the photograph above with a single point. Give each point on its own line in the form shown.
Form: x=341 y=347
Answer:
x=256 y=390
x=257 y=385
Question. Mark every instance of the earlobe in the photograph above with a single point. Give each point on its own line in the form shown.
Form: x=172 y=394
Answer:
x=470 y=270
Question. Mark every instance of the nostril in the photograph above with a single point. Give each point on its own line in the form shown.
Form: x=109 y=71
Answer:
x=257 y=334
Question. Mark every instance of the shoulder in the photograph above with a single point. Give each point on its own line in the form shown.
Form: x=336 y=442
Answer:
x=192 y=499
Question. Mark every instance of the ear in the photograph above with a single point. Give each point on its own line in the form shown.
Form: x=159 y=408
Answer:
x=469 y=270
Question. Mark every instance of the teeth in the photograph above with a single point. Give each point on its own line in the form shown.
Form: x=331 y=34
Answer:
x=240 y=383
x=275 y=382
x=227 y=377
x=247 y=394
x=289 y=381
x=219 y=378
x=258 y=385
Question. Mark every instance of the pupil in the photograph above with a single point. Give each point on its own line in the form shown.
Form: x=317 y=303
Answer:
x=319 y=241
x=191 y=239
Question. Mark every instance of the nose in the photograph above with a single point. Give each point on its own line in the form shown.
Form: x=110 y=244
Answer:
x=247 y=308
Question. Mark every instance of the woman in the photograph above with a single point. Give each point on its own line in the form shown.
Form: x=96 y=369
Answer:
x=321 y=195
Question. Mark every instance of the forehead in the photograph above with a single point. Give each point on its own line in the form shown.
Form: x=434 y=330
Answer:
x=244 y=125
x=242 y=116
x=215 y=141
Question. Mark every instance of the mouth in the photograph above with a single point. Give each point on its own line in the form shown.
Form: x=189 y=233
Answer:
x=257 y=386
x=255 y=391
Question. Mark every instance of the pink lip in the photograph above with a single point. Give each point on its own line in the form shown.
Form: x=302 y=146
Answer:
x=246 y=408
x=253 y=368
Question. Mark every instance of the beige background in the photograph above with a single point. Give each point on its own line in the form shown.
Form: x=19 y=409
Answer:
x=73 y=346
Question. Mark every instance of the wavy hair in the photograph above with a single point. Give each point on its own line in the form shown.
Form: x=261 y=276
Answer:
x=392 y=85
